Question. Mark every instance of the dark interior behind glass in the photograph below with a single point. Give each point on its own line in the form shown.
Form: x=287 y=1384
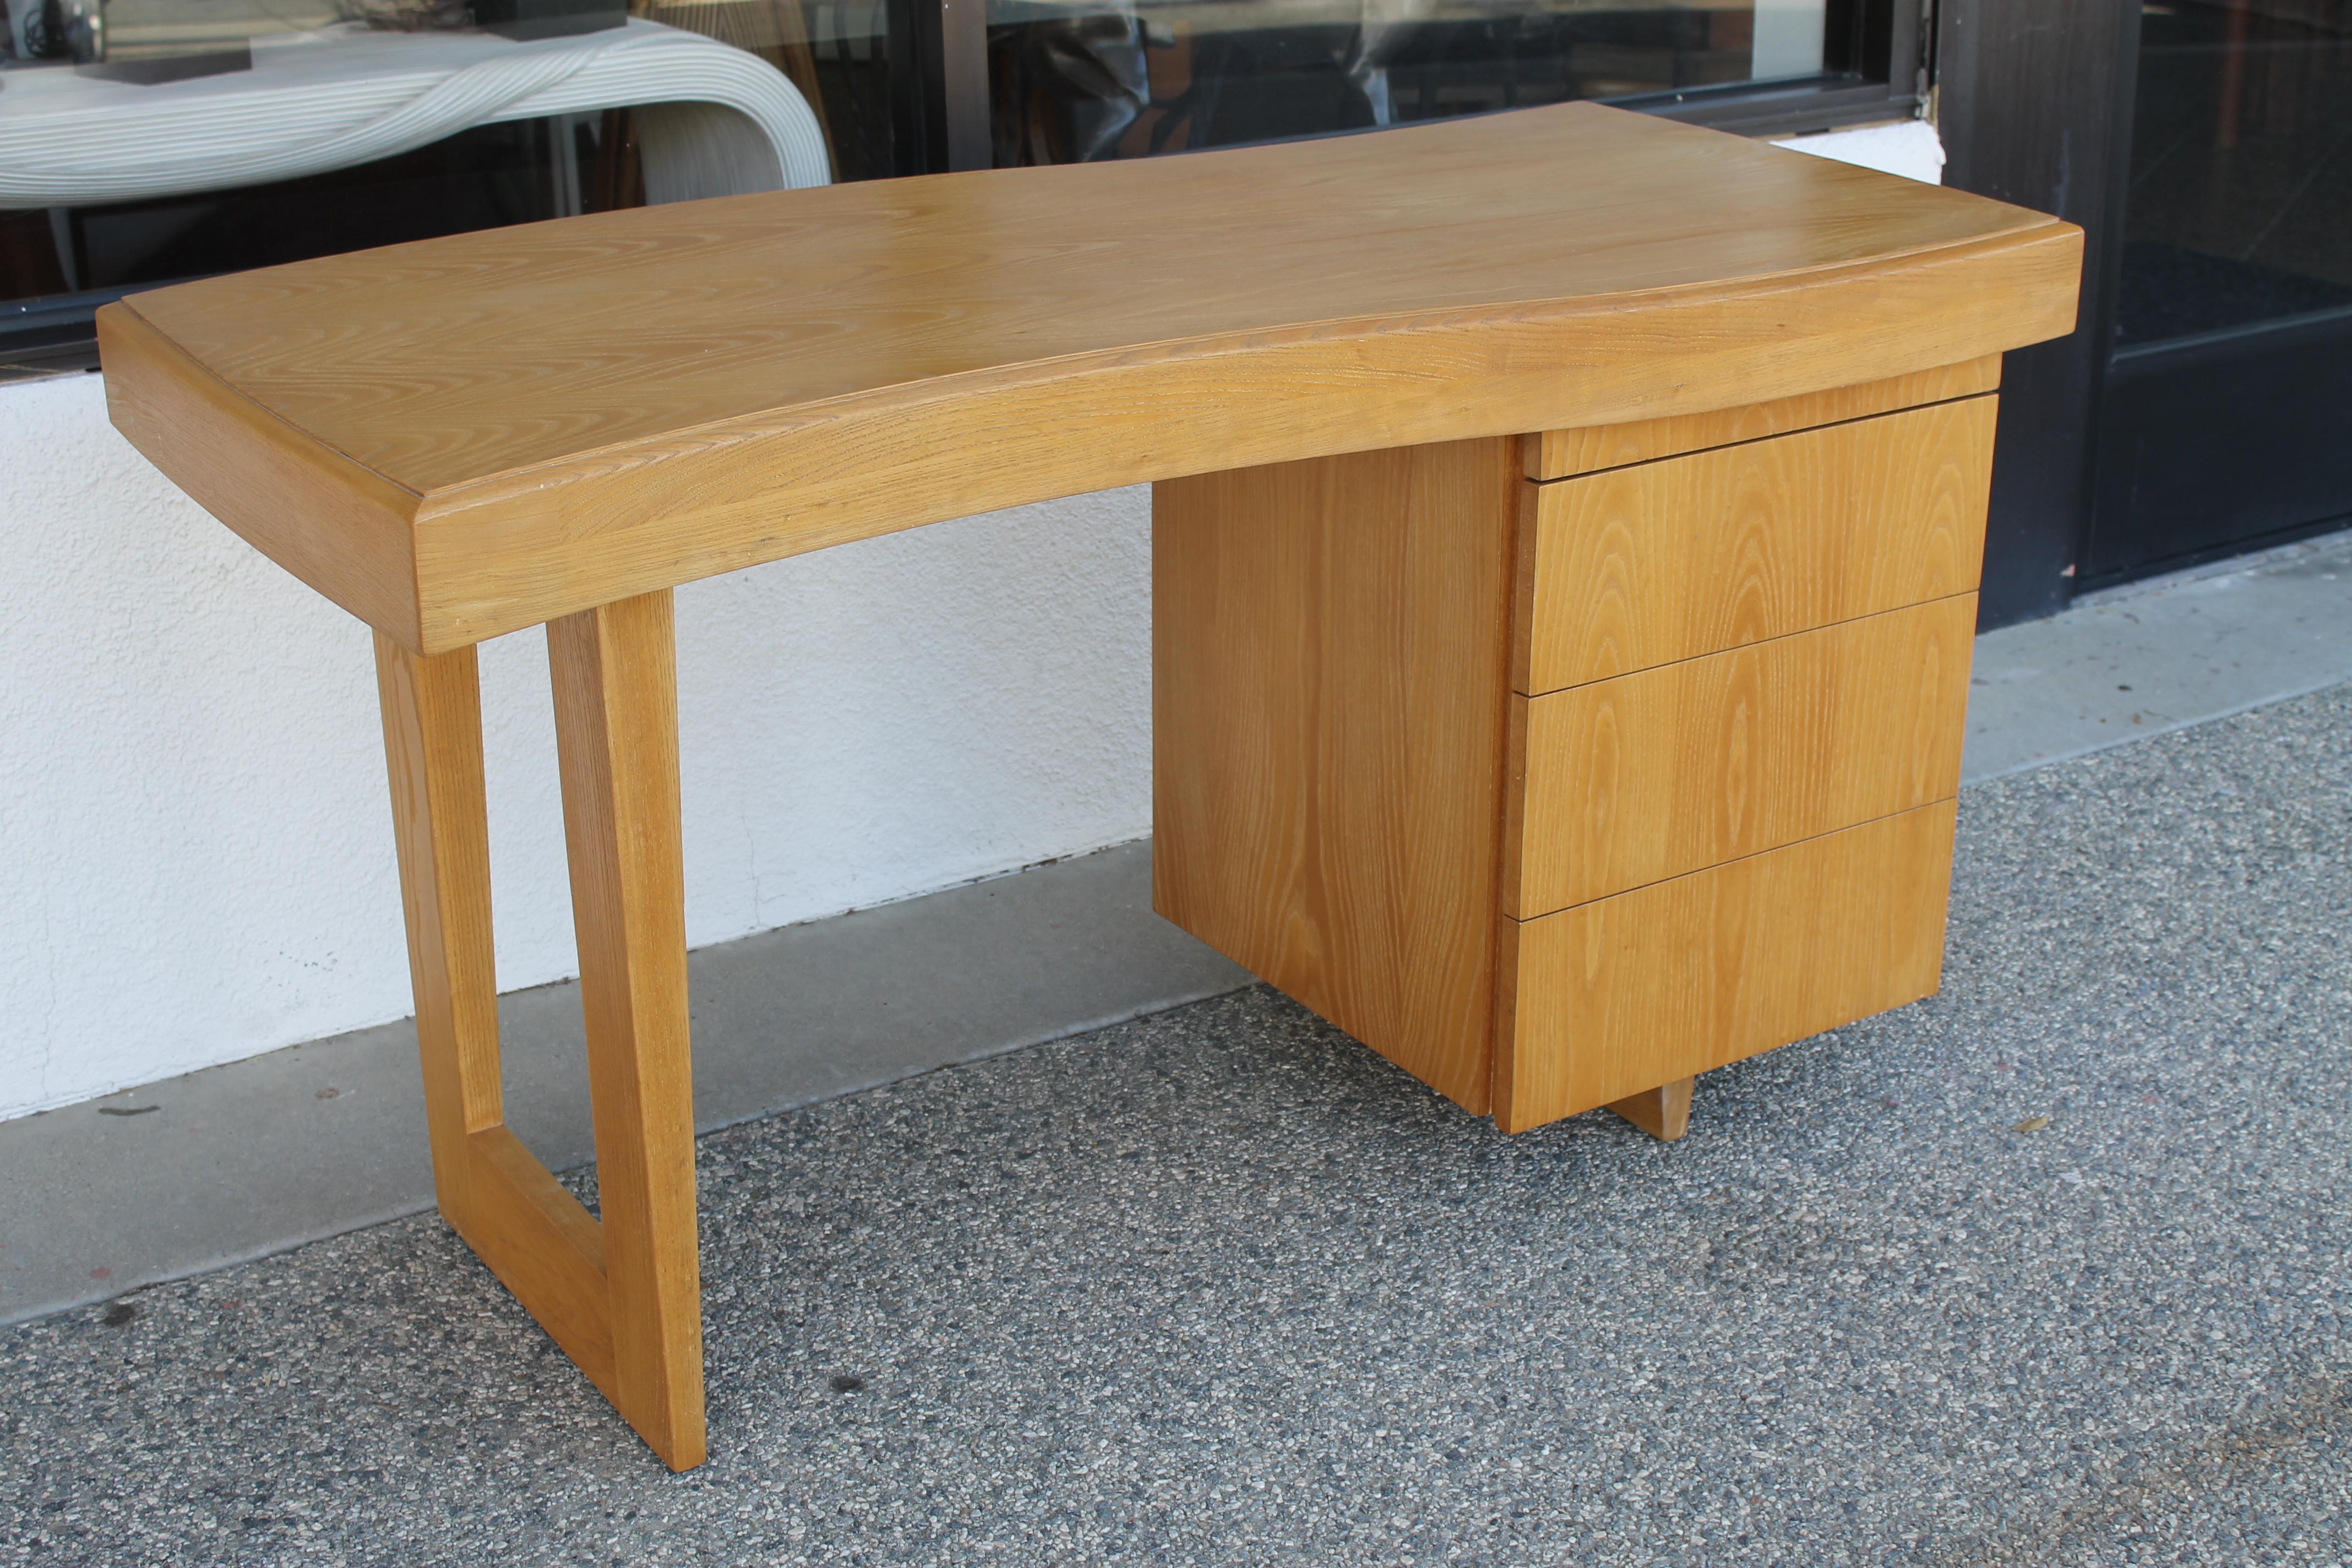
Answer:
x=1063 y=81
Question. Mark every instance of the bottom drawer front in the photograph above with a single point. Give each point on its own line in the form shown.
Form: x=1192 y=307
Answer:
x=1627 y=992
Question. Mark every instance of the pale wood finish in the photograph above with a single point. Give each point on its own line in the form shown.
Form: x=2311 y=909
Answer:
x=432 y=712
x=1662 y=1112
x=1611 y=998
x=338 y=526
x=1347 y=791
x=1559 y=454
x=616 y=740
x=545 y=1248
x=560 y=422
x=618 y=1296
x=614 y=404
x=1626 y=782
x=1808 y=682
x=1329 y=644
x=1643 y=565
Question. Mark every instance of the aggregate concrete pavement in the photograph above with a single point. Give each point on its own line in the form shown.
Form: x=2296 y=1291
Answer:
x=2050 y=1269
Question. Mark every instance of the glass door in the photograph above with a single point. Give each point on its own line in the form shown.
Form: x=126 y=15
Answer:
x=2227 y=416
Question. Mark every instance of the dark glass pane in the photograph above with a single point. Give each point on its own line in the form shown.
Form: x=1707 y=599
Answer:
x=2241 y=203
x=1073 y=80
x=88 y=208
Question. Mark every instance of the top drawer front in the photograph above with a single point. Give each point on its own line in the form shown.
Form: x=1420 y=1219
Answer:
x=1643 y=565
x=1559 y=454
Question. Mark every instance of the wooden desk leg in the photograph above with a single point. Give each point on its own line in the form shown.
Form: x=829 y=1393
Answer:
x=620 y=1298
x=616 y=672
x=1662 y=1112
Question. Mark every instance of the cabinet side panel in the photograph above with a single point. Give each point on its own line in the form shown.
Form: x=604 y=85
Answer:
x=1330 y=670
x=1680 y=977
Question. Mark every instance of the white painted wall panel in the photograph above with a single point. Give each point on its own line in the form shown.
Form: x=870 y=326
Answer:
x=195 y=849
x=1906 y=147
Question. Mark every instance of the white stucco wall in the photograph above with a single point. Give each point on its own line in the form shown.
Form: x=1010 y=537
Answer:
x=195 y=847
x=1906 y=147
x=196 y=850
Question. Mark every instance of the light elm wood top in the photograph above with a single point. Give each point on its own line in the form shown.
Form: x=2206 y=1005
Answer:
x=560 y=413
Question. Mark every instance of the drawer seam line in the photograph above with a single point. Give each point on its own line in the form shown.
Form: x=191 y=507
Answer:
x=1752 y=440
x=1735 y=859
x=1759 y=642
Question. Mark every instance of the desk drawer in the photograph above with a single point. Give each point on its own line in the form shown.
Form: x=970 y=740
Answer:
x=1561 y=454
x=1640 y=566
x=1613 y=997
x=1627 y=781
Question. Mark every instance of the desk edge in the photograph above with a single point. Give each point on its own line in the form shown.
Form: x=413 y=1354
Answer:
x=510 y=550
x=467 y=562
x=335 y=523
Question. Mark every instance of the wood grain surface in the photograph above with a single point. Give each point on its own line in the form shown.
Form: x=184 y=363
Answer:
x=1560 y=454
x=615 y=680
x=338 y=526
x=432 y=711
x=533 y=1235
x=1328 y=648
x=546 y=1249
x=609 y=404
x=1626 y=782
x=1623 y=995
x=1643 y=565
x=1662 y=1112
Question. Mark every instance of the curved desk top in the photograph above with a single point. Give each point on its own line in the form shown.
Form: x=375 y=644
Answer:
x=463 y=437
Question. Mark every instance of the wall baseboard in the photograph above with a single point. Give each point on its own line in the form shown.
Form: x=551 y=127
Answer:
x=256 y=1156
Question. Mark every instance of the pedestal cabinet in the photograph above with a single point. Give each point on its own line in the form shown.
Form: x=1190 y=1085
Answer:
x=1561 y=768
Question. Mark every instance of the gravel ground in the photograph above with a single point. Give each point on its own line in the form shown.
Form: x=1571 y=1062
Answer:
x=1219 y=1285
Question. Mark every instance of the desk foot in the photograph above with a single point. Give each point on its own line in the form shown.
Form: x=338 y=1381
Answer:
x=1662 y=1112
x=621 y=1297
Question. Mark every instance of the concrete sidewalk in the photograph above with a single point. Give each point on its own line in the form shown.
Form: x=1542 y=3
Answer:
x=253 y=1157
x=2048 y=1269
x=2160 y=655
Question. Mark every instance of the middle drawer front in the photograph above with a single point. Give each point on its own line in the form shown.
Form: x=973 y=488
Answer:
x=1627 y=781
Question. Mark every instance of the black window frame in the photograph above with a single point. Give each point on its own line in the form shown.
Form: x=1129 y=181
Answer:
x=1876 y=68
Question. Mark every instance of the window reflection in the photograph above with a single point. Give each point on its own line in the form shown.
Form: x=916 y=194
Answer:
x=2240 y=209
x=144 y=141
x=1076 y=80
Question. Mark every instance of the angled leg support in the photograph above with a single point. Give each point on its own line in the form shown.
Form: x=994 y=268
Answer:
x=622 y=1297
x=615 y=672
x=1662 y=1112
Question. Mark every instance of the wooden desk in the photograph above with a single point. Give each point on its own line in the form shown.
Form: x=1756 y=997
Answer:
x=1564 y=540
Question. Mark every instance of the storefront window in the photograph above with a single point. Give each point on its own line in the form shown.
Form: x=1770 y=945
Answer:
x=1074 y=80
x=2240 y=208
x=2221 y=411
x=147 y=141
